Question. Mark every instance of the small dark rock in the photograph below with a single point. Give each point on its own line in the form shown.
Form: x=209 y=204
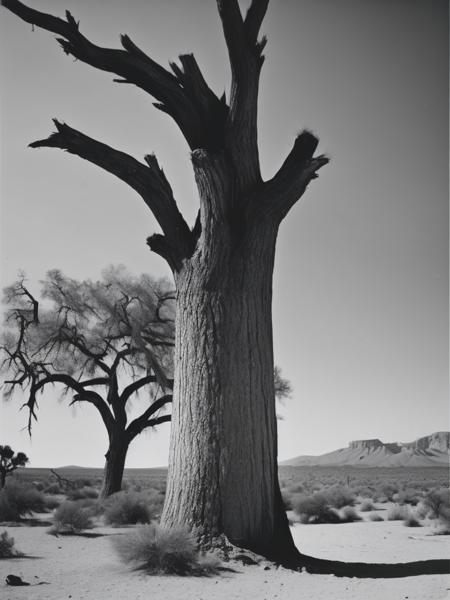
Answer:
x=15 y=580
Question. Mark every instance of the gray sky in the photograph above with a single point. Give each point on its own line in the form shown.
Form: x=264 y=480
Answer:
x=361 y=276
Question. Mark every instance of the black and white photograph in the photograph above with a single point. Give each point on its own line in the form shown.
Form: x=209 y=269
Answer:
x=224 y=352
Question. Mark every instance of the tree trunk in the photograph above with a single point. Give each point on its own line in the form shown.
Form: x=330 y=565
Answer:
x=114 y=465
x=222 y=476
x=2 y=479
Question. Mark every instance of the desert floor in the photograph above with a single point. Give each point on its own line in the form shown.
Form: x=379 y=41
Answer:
x=88 y=568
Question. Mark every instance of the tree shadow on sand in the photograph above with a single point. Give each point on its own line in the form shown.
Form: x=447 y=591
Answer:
x=374 y=570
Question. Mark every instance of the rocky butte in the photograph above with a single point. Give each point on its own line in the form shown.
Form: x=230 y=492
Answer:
x=429 y=451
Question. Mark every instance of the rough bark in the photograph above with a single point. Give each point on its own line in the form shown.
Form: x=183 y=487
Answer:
x=114 y=464
x=223 y=454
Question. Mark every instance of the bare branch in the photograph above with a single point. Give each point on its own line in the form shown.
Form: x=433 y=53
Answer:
x=82 y=395
x=158 y=421
x=132 y=65
x=138 y=424
x=148 y=181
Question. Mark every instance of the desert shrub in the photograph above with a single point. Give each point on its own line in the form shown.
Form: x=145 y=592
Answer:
x=287 y=500
x=397 y=513
x=435 y=501
x=349 y=515
x=159 y=550
x=82 y=493
x=51 y=502
x=124 y=508
x=70 y=517
x=7 y=549
x=407 y=496
x=296 y=488
x=411 y=521
x=314 y=509
x=339 y=496
x=388 y=490
x=443 y=524
x=375 y=517
x=18 y=499
x=54 y=488
x=367 y=505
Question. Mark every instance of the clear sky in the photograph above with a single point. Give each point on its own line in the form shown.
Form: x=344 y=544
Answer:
x=361 y=276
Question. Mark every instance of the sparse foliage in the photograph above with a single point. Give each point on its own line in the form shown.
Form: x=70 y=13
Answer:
x=86 y=337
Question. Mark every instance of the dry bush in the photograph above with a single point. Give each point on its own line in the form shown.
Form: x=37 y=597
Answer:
x=82 y=493
x=411 y=521
x=7 y=549
x=407 y=496
x=18 y=499
x=70 y=517
x=158 y=550
x=339 y=496
x=314 y=509
x=53 y=488
x=435 y=501
x=349 y=515
x=397 y=513
x=375 y=517
x=127 y=508
x=367 y=505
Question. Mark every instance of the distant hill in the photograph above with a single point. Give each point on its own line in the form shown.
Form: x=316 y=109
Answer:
x=71 y=467
x=429 y=451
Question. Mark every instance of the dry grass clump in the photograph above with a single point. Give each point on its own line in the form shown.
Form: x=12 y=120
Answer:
x=7 y=549
x=339 y=496
x=82 y=493
x=397 y=513
x=367 y=505
x=127 y=508
x=436 y=502
x=18 y=500
x=411 y=521
x=375 y=517
x=314 y=509
x=159 y=550
x=70 y=517
x=349 y=515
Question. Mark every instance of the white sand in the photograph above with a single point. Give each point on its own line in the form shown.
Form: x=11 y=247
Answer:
x=82 y=568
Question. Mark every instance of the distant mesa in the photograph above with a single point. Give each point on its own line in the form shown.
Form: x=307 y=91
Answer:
x=429 y=451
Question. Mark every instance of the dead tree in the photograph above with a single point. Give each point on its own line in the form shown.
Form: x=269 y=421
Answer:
x=222 y=478
x=101 y=342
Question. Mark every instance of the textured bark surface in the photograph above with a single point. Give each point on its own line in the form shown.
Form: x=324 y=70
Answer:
x=223 y=453
x=114 y=465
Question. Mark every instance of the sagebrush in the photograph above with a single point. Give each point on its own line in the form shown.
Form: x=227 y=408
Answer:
x=159 y=550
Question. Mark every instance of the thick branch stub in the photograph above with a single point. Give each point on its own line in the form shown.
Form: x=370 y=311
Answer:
x=148 y=181
x=281 y=192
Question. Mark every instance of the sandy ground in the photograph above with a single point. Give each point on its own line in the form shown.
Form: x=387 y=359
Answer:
x=87 y=568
